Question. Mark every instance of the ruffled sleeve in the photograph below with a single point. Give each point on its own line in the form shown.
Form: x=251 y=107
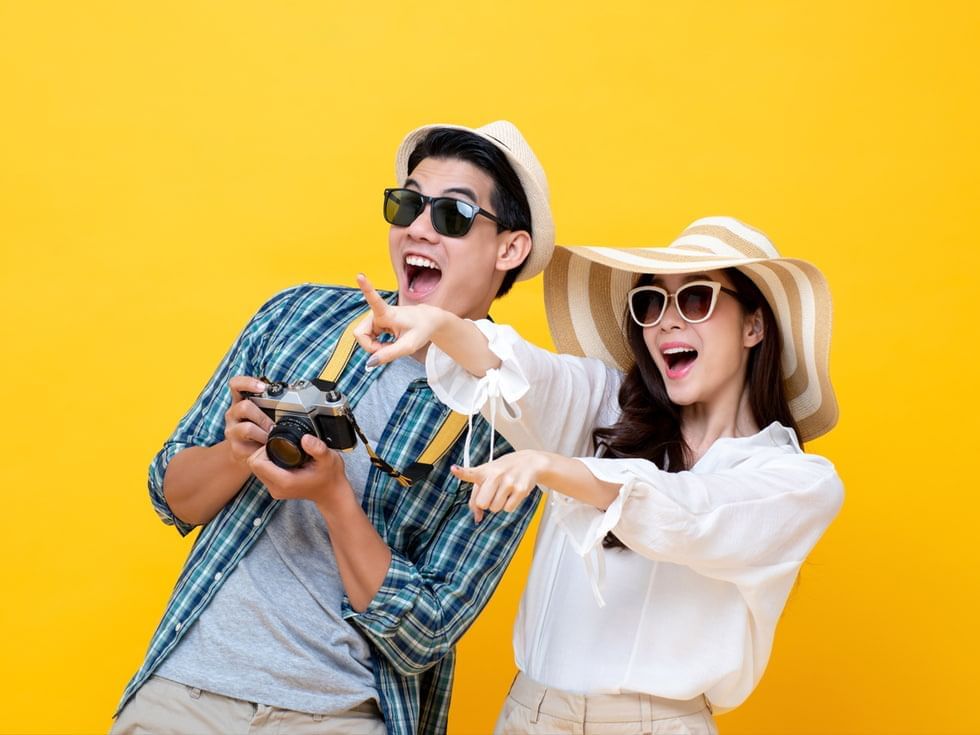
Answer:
x=467 y=394
x=751 y=511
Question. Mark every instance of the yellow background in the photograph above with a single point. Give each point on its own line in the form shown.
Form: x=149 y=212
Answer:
x=166 y=167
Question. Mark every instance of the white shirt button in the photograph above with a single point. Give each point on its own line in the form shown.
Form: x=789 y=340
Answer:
x=217 y=576
x=257 y=522
x=178 y=627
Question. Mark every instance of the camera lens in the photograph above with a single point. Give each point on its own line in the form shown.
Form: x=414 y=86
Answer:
x=283 y=447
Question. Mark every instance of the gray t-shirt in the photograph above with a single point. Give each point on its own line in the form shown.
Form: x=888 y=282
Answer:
x=273 y=634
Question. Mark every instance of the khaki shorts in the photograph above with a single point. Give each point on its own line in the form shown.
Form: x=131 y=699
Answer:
x=531 y=708
x=162 y=707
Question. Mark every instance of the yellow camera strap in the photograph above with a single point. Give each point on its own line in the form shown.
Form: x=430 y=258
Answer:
x=446 y=434
x=343 y=351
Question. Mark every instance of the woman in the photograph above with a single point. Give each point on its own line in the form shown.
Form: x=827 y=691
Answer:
x=690 y=468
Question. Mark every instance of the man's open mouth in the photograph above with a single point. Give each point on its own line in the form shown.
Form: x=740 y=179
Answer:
x=422 y=275
x=679 y=360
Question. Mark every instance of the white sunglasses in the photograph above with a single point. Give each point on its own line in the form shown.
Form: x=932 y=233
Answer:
x=695 y=302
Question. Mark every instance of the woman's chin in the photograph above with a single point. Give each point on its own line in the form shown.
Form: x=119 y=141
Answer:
x=681 y=395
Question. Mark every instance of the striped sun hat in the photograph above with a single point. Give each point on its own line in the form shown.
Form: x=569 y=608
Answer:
x=585 y=292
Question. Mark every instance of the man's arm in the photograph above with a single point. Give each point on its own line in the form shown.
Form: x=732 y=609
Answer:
x=362 y=555
x=199 y=481
x=202 y=465
x=412 y=610
x=425 y=604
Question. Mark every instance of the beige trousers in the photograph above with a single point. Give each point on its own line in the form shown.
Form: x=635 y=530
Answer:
x=164 y=707
x=532 y=709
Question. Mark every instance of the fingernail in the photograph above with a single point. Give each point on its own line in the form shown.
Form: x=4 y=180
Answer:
x=372 y=362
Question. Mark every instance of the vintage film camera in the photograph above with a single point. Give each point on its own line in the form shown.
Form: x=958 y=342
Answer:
x=304 y=407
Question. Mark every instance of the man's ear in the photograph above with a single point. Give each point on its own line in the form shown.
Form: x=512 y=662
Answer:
x=513 y=249
x=753 y=329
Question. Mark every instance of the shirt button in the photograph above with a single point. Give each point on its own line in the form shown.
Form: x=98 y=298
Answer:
x=178 y=627
x=217 y=576
x=257 y=522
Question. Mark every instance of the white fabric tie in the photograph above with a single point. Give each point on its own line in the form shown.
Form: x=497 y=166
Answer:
x=487 y=390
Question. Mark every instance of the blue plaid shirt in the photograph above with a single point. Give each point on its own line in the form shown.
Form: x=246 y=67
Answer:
x=443 y=568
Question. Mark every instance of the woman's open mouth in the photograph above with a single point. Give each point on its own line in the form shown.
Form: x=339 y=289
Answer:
x=422 y=276
x=679 y=360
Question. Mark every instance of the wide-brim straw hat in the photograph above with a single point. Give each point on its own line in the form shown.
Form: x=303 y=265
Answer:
x=505 y=136
x=585 y=290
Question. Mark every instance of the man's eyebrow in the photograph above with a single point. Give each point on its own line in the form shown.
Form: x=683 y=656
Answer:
x=462 y=190
x=468 y=193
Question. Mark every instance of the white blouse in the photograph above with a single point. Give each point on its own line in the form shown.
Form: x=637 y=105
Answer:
x=717 y=548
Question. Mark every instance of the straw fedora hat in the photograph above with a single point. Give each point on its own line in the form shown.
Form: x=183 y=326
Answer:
x=505 y=136
x=585 y=297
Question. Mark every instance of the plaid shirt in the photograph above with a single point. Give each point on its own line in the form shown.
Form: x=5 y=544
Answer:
x=443 y=568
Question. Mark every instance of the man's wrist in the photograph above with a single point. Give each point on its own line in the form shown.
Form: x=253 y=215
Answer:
x=338 y=502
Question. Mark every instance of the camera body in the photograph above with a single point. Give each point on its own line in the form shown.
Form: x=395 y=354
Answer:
x=305 y=407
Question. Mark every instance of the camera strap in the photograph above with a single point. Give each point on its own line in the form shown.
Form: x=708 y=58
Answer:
x=445 y=436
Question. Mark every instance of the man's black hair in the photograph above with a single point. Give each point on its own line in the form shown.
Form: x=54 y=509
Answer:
x=508 y=199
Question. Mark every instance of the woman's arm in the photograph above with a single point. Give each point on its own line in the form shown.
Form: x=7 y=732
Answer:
x=728 y=522
x=414 y=327
x=504 y=483
x=767 y=511
x=534 y=398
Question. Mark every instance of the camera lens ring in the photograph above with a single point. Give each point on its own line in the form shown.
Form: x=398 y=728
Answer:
x=284 y=445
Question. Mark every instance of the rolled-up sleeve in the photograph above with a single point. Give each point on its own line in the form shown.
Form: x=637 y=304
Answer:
x=204 y=424
x=423 y=607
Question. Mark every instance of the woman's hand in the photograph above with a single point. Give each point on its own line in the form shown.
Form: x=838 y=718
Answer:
x=504 y=483
x=412 y=326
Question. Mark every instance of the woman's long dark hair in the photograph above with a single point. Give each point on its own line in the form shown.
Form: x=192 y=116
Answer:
x=649 y=426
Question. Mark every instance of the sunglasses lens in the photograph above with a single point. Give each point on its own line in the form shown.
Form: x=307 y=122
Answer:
x=647 y=306
x=452 y=217
x=402 y=206
x=694 y=302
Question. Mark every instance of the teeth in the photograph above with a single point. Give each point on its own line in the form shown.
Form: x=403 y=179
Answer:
x=421 y=262
x=678 y=350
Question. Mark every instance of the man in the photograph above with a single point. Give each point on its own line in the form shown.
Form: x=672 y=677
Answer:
x=329 y=597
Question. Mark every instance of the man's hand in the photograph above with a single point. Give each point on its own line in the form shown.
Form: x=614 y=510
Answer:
x=412 y=326
x=199 y=481
x=504 y=483
x=246 y=426
x=321 y=479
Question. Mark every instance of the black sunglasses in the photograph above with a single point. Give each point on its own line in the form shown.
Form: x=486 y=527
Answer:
x=450 y=217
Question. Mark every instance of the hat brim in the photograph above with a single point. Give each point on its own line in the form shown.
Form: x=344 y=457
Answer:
x=542 y=224
x=585 y=290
